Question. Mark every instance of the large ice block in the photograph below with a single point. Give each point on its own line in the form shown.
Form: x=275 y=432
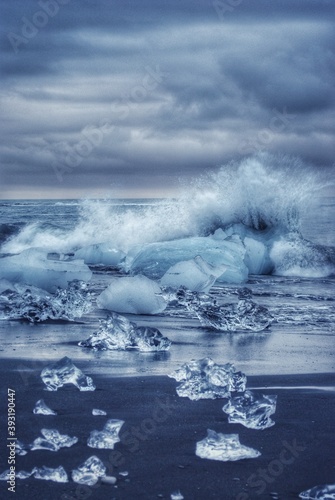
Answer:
x=35 y=267
x=65 y=372
x=41 y=408
x=108 y=437
x=118 y=333
x=134 y=295
x=204 y=379
x=100 y=253
x=52 y=440
x=224 y=447
x=251 y=409
x=89 y=472
x=321 y=492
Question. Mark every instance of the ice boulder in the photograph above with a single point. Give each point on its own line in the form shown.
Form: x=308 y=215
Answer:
x=196 y=275
x=65 y=372
x=38 y=268
x=134 y=295
x=100 y=253
x=224 y=447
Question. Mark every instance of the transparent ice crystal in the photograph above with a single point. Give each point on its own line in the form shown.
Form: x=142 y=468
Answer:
x=65 y=372
x=224 y=447
x=251 y=409
x=204 y=379
x=41 y=408
x=118 y=333
x=322 y=492
x=108 y=437
x=52 y=440
x=89 y=472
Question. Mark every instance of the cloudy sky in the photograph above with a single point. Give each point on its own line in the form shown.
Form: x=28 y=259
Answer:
x=128 y=97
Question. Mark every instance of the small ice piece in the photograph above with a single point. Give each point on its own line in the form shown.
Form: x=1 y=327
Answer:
x=124 y=473
x=65 y=372
x=224 y=447
x=20 y=448
x=251 y=409
x=196 y=275
x=321 y=492
x=176 y=495
x=96 y=412
x=108 y=437
x=204 y=379
x=41 y=408
x=52 y=440
x=8 y=475
x=57 y=475
x=89 y=472
x=118 y=333
x=134 y=294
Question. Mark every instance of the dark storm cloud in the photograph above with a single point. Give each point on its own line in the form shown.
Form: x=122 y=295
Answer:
x=160 y=90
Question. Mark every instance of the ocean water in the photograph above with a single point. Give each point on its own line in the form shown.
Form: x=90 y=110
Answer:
x=287 y=197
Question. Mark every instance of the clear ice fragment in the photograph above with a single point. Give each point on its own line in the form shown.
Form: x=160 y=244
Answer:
x=251 y=409
x=57 y=475
x=52 y=440
x=108 y=437
x=41 y=408
x=96 y=412
x=20 y=448
x=224 y=447
x=321 y=492
x=118 y=333
x=204 y=379
x=65 y=372
x=176 y=495
x=89 y=472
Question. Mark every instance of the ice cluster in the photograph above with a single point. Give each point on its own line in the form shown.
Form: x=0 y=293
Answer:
x=118 y=333
x=108 y=437
x=204 y=379
x=41 y=408
x=322 y=492
x=35 y=305
x=251 y=409
x=52 y=440
x=224 y=447
x=47 y=271
x=89 y=472
x=132 y=294
x=65 y=372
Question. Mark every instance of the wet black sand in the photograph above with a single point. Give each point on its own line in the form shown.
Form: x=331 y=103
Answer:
x=160 y=434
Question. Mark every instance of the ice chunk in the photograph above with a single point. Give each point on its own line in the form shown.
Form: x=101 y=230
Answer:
x=41 y=408
x=89 y=472
x=251 y=409
x=57 y=475
x=7 y=475
x=176 y=495
x=96 y=412
x=204 y=379
x=322 y=492
x=117 y=332
x=196 y=275
x=224 y=447
x=35 y=267
x=154 y=259
x=100 y=253
x=257 y=257
x=108 y=437
x=135 y=295
x=36 y=305
x=20 y=448
x=65 y=372
x=52 y=440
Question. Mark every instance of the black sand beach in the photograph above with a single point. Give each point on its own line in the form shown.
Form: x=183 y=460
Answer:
x=159 y=436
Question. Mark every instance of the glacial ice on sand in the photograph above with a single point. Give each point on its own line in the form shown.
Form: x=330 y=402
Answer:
x=322 y=492
x=133 y=294
x=58 y=475
x=251 y=409
x=97 y=412
x=100 y=253
x=204 y=379
x=38 y=268
x=118 y=333
x=41 y=408
x=52 y=440
x=65 y=372
x=5 y=476
x=89 y=472
x=224 y=447
x=195 y=275
x=108 y=437
x=20 y=448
